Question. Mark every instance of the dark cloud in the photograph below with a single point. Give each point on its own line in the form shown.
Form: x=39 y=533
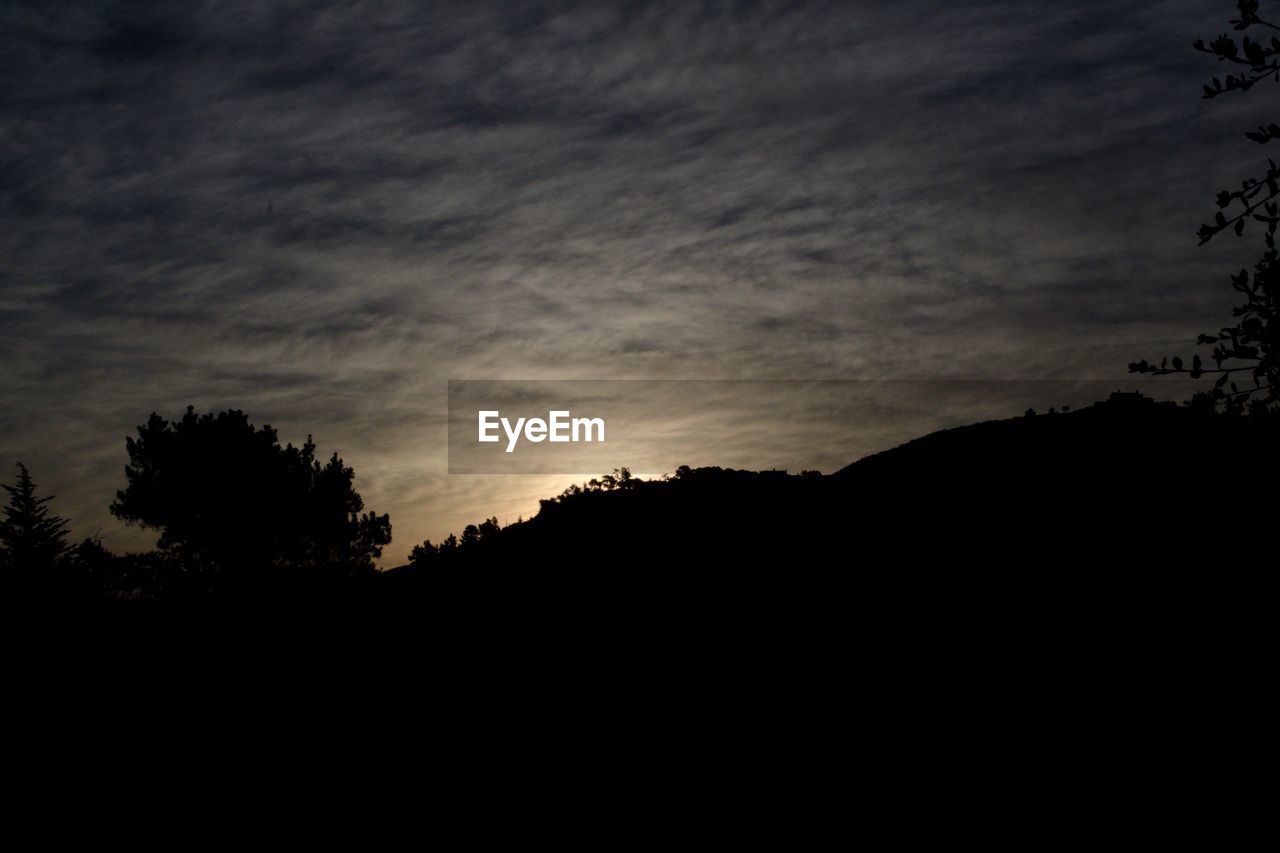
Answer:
x=320 y=213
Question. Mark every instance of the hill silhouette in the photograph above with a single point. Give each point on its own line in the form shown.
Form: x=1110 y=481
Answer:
x=1062 y=579
x=1101 y=510
x=1118 y=552
x=1037 y=489
x=1007 y=540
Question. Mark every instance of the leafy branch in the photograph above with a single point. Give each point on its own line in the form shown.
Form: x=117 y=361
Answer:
x=1251 y=347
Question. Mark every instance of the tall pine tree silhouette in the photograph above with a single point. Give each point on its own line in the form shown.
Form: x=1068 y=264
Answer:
x=32 y=541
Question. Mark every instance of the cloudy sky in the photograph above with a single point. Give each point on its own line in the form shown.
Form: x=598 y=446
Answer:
x=321 y=213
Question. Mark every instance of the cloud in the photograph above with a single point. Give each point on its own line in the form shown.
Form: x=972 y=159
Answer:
x=321 y=214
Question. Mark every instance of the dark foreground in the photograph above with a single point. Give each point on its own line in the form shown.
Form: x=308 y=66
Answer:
x=1113 y=518
x=1026 y=629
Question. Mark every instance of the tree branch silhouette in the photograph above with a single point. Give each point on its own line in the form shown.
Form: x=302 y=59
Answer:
x=1251 y=346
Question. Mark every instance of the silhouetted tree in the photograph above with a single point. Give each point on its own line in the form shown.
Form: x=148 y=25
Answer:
x=225 y=495
x=32 y=541
x=423 y=555
x=1251 y=347
x=426 y=555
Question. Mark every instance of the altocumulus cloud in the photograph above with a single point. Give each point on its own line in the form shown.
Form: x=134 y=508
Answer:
x=320 y=213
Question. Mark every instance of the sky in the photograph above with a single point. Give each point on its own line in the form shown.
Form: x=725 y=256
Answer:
x=322 y=213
